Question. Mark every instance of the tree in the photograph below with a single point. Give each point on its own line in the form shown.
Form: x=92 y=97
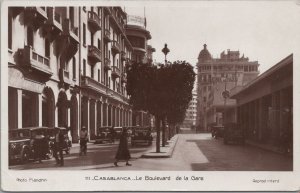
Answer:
x=162 y=90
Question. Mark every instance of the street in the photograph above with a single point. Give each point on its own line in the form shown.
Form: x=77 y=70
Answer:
x=193 y=152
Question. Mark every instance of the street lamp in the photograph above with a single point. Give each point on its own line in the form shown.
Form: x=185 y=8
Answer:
x=165 y=50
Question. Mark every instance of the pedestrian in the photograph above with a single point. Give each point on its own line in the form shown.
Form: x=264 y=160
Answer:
x=83 y=141
x=112 y=134
x=123 y=151
x=58 y=147
x=38 y=146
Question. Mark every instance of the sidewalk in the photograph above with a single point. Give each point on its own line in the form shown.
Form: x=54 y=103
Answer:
x=165 y=152
x=267 y=147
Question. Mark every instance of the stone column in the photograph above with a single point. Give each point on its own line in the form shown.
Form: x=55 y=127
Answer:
x=19 y=109
x=40 y=110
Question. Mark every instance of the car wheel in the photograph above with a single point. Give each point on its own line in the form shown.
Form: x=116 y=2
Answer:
x=25 y=157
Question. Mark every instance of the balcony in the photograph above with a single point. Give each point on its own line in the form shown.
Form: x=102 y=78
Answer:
x=64 y=78
x=115 y=72
x=115 y=47
x=35 y=62
x=94 y=21
x=107 y=64
x=116 y=21
x=107 y=35
x=53 y=26
x=89 y=83
x=69 y=41
x=70 y=30
x=94 y=54
x=37 y=16
x=123 y=56
x=124 y=78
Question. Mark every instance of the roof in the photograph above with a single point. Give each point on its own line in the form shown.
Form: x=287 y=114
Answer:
x=286 y=61
x=204 y=54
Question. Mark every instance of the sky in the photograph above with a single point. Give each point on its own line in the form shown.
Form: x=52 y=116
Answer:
x=265 y=31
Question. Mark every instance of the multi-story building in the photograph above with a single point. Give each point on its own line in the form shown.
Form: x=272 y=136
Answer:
x=105 y=50
x=67 y=68
x=191 y=112
x=138 y=36
x=216 y=77
x=43 y=67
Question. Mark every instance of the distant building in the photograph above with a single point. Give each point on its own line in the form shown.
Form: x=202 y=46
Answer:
x=215 y=75
x=138 y=36
x=191 y=112
x=265 y=105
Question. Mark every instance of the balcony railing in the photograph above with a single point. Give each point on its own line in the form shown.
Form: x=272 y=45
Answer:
x=115 y=47
x=107 y=35
x=115 y=71
x=107 y=64
x=94 y=21
x=36 y=61
x=94 y=54
x=89 y=82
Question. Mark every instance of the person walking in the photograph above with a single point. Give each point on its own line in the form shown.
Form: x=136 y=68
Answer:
x=83 y=141
x=58 y=147
x=123 y=151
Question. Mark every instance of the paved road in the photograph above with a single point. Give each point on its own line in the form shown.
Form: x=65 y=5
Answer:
x=198 y=152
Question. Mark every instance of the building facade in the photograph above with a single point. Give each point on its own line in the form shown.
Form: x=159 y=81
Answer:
x=191 y=112
x=67 y=68
x=265 y=106
x=216 y=77
x=138 y=35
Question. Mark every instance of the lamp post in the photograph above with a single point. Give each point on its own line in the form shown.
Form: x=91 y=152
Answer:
x=165 y=50
x=225 y=95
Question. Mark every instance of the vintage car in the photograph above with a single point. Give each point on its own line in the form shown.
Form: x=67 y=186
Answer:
x=233 y=134
x=141 y=135
x=21 y=143
x=217 y=131
x=104 y=134
x=67 y=142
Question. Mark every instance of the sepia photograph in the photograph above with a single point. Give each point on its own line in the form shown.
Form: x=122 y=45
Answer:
x=170 y=94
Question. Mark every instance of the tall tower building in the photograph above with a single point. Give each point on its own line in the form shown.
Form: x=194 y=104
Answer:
x=216 y=75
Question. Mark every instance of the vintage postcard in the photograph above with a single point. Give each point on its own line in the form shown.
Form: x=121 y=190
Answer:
x=150 y=95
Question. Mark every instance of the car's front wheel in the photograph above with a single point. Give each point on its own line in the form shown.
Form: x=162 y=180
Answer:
x=25 y=156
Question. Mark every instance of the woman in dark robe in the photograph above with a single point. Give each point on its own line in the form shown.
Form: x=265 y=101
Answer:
x=123 y=151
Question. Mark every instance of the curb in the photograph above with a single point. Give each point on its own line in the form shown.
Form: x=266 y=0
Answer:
x=169 y=150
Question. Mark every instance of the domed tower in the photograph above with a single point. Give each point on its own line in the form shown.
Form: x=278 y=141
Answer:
x=204 y=55
x=204 y=60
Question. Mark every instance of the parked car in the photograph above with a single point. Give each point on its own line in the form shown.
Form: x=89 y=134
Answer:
x=21 y=143
x=217 y=131
x=118 y=132
x=141 y=135
x=104 y=134
x=67 y=142
x=233 y=134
